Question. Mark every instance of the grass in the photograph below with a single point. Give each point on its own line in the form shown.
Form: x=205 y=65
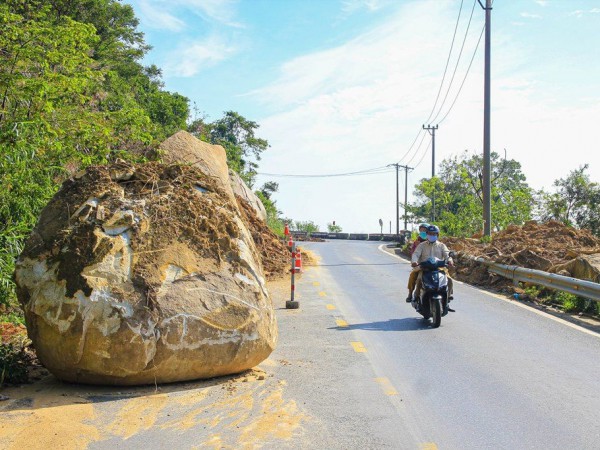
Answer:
x=569 y=303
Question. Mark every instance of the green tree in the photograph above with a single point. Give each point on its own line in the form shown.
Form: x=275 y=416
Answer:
x=308 y=226
x=576 y=201
x=333 y=228
x=458 y=195
x=72 y=93
x=237 y=135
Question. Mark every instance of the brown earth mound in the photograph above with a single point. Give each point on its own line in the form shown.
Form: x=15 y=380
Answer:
x=542 y=246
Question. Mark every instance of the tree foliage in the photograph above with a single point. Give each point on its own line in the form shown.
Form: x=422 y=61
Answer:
x=458 y=195
x=576 y=201
x=333 y=228
x=307 y=226
x=72 y=93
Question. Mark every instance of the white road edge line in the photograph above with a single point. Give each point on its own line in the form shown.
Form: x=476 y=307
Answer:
x=380 y=248
x=512 y=302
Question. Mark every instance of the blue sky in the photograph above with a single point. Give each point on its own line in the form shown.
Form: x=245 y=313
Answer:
x=345 y=85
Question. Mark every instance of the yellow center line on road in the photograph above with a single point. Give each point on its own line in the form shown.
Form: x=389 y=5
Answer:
x=341 y=323
x=386 y=385
x=330 y=307
x=429 y=446
x=358 y=347
x=322 y=294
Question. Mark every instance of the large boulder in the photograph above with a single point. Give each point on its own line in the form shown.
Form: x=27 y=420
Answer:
x=144 y=274
x=185 y=148
x=584 y=267
x=241 y=190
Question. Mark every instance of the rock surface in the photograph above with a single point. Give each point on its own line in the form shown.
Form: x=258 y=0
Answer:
x=241 y=190
x=584 y=267
x=144 y=274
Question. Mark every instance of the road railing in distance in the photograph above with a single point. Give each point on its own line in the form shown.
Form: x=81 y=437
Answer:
x=575 y=286
x=359 y=236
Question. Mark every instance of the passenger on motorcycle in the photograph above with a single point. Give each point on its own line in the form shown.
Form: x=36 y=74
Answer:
x=412 y=278
x=431 y=248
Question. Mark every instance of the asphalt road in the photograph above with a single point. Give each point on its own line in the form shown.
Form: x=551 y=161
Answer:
x=355 y=368
x=494 y=375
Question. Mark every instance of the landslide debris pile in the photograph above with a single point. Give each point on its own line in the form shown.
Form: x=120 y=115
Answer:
x=140 y=274
x=550 y=247
x=274 y=254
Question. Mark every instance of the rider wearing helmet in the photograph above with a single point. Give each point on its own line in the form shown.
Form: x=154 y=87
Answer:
x=412 y=279
x=431 y=248
x=422 y=237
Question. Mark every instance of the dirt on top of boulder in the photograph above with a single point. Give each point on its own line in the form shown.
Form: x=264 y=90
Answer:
x=167 y=195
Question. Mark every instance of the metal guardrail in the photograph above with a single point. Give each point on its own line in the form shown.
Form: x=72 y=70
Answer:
x=582 y=288
x=359 y=236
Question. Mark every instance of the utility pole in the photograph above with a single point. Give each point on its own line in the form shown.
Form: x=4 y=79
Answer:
x=406 y=169
x=487 y=165
x=431 y=131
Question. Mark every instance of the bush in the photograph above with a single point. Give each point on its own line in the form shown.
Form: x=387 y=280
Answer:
x=570 y=302
x=533 y=291
x=14 y=361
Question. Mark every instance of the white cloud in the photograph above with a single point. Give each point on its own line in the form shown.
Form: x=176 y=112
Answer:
x=222 y=11
x=351 y=6
x=155 y=17
x=360 y=105
x=542 y=2
x=192 y=57
x=171 y=14
x=579 y=13
x=357 y=106
x=530 y=16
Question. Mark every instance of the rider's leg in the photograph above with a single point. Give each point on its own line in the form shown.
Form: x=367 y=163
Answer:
x=418 y=284
x=412 y=279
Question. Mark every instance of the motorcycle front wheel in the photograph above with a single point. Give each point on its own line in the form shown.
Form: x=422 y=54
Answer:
x=436 y=312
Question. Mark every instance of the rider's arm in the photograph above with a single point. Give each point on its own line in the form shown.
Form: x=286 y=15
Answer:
x=416 y=255
x=447 y=256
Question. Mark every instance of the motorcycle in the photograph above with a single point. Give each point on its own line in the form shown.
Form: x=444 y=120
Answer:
x=432 y=301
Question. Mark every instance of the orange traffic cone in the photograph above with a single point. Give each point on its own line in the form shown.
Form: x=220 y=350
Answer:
x=298 y=264
x=290 y=241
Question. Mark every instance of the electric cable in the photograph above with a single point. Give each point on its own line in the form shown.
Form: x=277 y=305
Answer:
x=465 y=78
x=417 y=150
x=424 y=154
x=373 y=171
x=447 y=60
x=457 y=62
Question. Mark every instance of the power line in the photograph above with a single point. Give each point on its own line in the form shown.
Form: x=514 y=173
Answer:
x=465 y=78
x=417 y=150
x=439 y=90
x=447 y=61
x=411 y=146
x=373 y=171
x=457 y=62
x=424 y=154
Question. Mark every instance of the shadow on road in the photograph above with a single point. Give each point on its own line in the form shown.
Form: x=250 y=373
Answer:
x=405 y=324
